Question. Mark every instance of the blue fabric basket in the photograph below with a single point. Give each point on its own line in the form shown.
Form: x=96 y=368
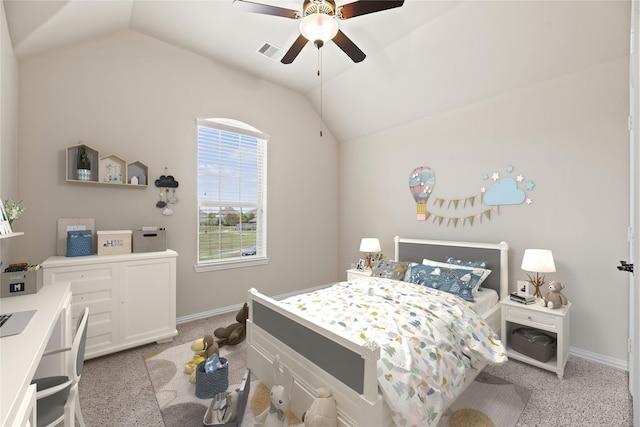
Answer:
x=79 y=242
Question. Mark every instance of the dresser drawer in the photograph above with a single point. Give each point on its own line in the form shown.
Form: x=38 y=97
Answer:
x=532 y=318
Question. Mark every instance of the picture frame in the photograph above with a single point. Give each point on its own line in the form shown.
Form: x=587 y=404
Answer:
x=360 y=265
x=524 y=288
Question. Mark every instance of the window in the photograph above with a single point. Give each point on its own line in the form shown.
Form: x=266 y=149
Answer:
x=232 y=194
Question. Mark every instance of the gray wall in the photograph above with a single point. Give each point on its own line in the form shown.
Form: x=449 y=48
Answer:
x=138 y=98
x=8 y=127
x=568 y=135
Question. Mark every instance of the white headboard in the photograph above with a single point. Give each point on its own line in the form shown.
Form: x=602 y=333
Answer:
x=496 y=255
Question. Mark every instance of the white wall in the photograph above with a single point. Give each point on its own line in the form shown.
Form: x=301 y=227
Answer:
x=568 y=135
x=138 y=98
x=8 y=125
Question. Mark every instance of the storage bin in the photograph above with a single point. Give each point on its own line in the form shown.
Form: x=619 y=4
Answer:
x=149 y=241
x=79 y=242
x=208 y=384
x=21 y=283
x=112 y=242
x=533 y=343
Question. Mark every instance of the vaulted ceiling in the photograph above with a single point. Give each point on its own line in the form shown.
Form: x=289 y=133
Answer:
x=423 y=58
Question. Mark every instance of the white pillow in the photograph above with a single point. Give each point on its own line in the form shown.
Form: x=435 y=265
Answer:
x=483 y=273
x=407 y=273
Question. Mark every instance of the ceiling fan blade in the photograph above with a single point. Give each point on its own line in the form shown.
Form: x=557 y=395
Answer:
x=266 y=9
x=294 y=50
x=349 y=47
x=362 y=7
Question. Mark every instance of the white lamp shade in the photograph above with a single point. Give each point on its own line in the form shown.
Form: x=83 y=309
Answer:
x=538 y=261
x=370 y=244
x=318 y=26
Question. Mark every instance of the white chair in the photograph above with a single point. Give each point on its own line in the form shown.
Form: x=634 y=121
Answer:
x=57 y=397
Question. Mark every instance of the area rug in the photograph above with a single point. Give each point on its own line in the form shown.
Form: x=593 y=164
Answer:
x=176 y=396
x=487 y=402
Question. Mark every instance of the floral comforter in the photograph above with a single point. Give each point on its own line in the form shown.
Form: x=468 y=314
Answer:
x=428 y=339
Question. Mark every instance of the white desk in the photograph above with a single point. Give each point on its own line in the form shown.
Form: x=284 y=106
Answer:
x=20 y=354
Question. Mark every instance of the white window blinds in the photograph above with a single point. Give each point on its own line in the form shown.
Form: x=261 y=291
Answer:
x=232 y=163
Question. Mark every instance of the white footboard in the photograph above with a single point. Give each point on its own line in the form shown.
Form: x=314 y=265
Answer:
x=316 y=357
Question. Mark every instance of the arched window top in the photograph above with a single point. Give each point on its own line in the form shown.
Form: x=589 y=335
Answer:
x=233 y=126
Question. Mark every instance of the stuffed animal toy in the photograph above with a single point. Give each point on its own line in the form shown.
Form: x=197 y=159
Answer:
x=276 y=414
x=554 y=297
x=323 y=411
x=202 y=348
x=234 y=334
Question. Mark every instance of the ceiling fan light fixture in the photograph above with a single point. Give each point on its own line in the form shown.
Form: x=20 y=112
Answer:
x=318 y=26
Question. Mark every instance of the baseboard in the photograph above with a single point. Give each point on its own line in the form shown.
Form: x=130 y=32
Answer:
x=595 y=357
x=210 y=313
x=236 y=307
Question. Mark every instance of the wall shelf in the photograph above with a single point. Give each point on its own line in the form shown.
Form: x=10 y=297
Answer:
x=14 y=234
x=110 y=170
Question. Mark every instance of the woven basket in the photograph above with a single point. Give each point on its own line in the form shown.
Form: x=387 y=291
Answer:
x=210 y=384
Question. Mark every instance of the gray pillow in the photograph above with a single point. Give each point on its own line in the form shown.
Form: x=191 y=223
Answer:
x=389 y=269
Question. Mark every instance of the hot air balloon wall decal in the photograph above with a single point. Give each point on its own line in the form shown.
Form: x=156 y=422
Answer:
x=421 y=183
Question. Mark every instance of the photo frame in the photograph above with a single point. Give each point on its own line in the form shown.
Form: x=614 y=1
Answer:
x=70 y=224
x=524 y=288
x=360 y=265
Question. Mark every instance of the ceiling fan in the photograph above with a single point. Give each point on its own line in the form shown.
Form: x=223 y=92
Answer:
x=319 y=22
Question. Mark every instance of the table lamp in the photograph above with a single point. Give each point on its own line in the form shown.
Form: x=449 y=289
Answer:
x=537 y=261
x=369 y=246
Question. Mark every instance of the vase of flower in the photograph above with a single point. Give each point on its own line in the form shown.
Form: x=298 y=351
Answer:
x=13 y=210
x=83 y=165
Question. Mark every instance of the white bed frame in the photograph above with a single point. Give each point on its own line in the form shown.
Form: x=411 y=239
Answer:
x=318 y=357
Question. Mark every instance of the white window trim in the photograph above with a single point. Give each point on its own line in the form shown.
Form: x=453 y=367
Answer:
x=243 y=128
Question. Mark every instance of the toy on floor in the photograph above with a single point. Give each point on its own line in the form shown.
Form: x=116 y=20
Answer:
x=202 y=348
x=234 y=334
x=276 y=414
x=554 y=297
x=323 y=411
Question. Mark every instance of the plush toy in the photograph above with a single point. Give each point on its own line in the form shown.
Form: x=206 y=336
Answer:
x=202 y=348
x=234 y=334
x=276 y=414
x=554 y=297
x=323 y=411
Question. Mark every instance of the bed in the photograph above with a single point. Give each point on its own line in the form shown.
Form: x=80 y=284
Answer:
x=319 y=353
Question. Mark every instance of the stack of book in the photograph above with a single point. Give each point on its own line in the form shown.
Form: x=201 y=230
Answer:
x=528 y=299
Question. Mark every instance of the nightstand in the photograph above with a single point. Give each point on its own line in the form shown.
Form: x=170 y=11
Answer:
x=554 y=321
x=354 y=273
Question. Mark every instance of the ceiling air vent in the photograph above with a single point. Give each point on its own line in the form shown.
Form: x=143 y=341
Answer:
x=271 y=51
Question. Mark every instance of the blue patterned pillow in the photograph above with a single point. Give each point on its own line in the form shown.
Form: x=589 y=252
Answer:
x=389 y=269
x=455 y=281
x=465 y=263
x=482 y=273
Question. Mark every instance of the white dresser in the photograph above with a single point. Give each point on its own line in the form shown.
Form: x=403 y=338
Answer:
x=131 y=297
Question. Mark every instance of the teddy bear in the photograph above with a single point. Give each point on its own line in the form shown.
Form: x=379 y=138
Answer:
x=323 y=411
x=554 y=297
x=234 y=334
x=202 y=348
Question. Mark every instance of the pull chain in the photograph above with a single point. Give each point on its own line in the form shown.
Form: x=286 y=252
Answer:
x=320 y=75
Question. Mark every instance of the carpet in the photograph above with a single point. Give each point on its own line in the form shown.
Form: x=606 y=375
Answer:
x=488 y=402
